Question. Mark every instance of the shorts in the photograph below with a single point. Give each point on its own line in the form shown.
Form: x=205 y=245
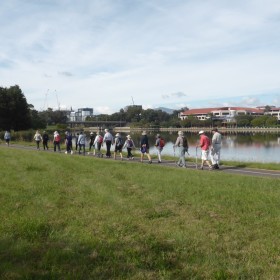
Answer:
x=204 y=154
x=118 y=149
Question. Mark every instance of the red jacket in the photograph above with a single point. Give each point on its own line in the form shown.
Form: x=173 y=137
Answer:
x=204 y=142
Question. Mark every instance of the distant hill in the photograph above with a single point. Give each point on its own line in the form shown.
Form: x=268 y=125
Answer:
x=167 y=110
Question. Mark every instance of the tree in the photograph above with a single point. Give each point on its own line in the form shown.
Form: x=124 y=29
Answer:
x=14 y=109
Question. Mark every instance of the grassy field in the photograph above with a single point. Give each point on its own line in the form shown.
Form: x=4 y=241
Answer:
x=75 y=217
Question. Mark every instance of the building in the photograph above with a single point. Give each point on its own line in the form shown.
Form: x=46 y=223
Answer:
x=275 y=112
x=225 y=114
x=81 y=114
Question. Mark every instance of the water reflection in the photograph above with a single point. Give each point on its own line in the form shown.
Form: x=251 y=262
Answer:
x=238 y=147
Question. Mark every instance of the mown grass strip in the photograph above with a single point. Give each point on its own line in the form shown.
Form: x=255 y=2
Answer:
x=75 y=217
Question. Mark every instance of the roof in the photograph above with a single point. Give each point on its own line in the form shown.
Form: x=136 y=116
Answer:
x=202 y=111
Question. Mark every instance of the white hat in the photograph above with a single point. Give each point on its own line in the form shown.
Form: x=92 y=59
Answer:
x=144 y=133
x=117 y=134
x=180 y=133
x=91 y=133
x=106 y=130
x=200 y=132
x=128 y=136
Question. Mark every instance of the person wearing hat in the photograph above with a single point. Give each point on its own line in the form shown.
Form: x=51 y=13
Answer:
x=118 y=145
x=129 y=145
x=98 y=142
x=45 y=137
x=204 y=144
x=159 y=146
x=182 y=144
x=144 y=144
x=56 y=141
x=91 y=141
x=109 y=141
x=216 y=148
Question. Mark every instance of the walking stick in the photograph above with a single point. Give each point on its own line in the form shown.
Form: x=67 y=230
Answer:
x=174 y=154
x=196 y=157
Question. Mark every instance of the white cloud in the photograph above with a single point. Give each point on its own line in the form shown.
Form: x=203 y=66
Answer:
x=100 y=53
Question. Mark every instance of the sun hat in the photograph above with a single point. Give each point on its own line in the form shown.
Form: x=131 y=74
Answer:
x=144 y=133
x=180 y=132
x=201 y=132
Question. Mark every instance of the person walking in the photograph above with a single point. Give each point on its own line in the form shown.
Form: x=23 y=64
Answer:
x=98 y=142
x=109 y=141
x=159 y=145
x=56 y=141
x=205 y=146
x=7 y=137
x=216 y=148
x=183 y=146
x=68 y=143
x=144 y=144
x=91 y=143
x=82 y=142
x=45 y=140
x=118 y=145
x=129 y=145
x=38 y=138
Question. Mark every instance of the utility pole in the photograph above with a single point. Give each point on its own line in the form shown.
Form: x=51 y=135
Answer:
x=132 y=101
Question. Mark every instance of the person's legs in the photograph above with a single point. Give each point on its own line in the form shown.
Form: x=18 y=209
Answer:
x=129 y=155
x=108 y=147
x=159 y=155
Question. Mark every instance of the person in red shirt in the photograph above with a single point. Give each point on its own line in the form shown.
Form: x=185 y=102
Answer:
x=205 y=146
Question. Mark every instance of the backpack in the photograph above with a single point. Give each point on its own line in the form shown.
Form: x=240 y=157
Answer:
x=119 y=141
x=57 y=138
x=185 y=142
x=129 y=143
x=100 y=139
x=161 y=143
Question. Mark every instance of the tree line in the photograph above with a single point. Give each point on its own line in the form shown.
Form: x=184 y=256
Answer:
x=16 y=114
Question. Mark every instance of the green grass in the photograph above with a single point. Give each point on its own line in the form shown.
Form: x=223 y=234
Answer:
x=75 y=217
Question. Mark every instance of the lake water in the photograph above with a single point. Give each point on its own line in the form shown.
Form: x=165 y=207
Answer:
x=238 y=147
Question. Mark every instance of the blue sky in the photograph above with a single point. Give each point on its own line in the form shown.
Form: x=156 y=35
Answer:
x=104 y=53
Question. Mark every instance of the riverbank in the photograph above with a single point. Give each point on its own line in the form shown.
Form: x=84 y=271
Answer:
x=197 y=129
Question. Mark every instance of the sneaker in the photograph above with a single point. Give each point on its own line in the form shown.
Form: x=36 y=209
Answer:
x=65 y=152
x=179 y=165
x=72 y=153
x=150 y=161
x=201 y=167
x=159 y=161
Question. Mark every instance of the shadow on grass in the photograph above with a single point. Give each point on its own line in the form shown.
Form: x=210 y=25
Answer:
x=37 y=256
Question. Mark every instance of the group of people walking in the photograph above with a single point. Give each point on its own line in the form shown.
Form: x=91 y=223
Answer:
x=209 y=148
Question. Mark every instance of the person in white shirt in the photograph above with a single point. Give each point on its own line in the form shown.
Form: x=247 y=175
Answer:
x=216 y=148
x=108 y=140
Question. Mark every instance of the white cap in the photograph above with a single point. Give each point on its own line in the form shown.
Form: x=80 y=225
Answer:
x=200 y=132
